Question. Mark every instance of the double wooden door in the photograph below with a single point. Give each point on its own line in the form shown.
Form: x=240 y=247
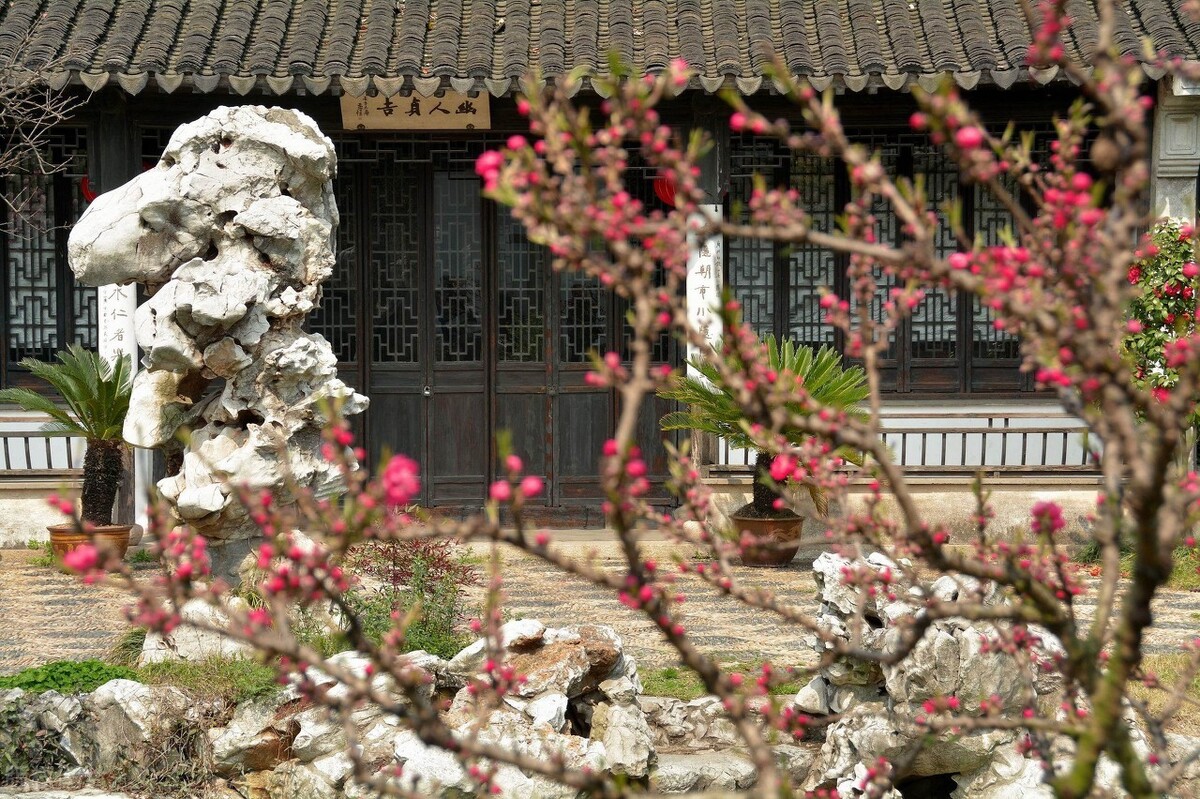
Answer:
x=459 y=331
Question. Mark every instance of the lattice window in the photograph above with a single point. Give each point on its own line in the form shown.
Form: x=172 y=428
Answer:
x=812 y=268
x=990 y=219
x=584 y=324
x=395 y=210
x=336 y=318
x=937 y=333
x=457 y=269
x=887 y=231
x=934 y=323
x=522 y=282
x=750 y=273
x=43 y=307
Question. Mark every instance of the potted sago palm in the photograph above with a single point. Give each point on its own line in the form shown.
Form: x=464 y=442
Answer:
x=94 y=396
x=769 y=530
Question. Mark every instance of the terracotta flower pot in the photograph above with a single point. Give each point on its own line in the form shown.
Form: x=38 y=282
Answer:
x=106 y=538
x=769 y=542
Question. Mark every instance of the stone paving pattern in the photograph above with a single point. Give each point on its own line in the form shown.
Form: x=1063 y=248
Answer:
x=46 y=615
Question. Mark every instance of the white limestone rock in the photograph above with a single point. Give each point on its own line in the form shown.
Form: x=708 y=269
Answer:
x=192 y=640
x=1007 y=774
x=725 y=771
x=628 y=741
x=232 y=233
x=258 y=737
x=813 y=698
x=129 y=717
x=549 y=709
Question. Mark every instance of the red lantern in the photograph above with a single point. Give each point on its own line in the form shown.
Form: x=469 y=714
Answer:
x=664 y=189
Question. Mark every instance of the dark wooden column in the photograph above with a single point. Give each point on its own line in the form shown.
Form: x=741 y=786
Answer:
x=112 y=161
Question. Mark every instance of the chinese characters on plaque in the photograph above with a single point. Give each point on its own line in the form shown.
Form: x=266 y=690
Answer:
x=450 y=111
x=705 y=265
x=116 y=333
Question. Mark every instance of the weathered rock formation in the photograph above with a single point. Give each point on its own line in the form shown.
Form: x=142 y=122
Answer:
x=232 y=235
x=880 y=705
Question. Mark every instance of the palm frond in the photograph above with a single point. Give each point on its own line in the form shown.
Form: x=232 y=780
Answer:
x=95 y=391
x=819 y=374
x=36 y=403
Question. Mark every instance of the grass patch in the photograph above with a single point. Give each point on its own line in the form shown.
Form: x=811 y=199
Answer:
x=683 y=683
x=128 y=648
x=1184 y=570
x=1169 y=669
x=679 y=683
x=1185 y=575
x=232 y=680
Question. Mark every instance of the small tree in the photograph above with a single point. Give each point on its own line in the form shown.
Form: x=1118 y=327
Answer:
x=1059 y=281
x=29 y=109
x=711 y=407
x=96 y=394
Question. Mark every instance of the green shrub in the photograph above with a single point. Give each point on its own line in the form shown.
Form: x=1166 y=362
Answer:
x=67 y=676
x=45 y=558
x=435 y=608
x=421 y=578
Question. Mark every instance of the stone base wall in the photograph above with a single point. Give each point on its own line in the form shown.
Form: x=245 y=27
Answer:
x=948 y=500
x=24 y=513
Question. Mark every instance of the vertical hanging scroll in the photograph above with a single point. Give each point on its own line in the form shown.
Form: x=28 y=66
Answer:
x=704 y=286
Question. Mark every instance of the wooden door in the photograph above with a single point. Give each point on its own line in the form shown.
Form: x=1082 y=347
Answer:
x=458 y=423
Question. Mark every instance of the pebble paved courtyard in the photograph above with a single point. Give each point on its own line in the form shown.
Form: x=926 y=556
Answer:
x=46 y=615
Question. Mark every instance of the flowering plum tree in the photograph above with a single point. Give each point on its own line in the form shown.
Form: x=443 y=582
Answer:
x=1061 y=281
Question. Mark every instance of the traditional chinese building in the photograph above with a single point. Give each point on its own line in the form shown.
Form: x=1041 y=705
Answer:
x=443 y=312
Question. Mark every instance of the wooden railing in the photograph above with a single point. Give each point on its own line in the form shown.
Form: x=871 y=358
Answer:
x=26 y=453
x=1021 y=442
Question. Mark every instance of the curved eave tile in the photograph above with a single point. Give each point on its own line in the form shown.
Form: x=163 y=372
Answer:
x=428 y=85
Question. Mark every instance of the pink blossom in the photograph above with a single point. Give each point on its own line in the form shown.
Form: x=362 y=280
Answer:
x=501 y=491
x=401 y=481
x=782 y=467
x=531 y=486
x=514 y=464
x=968 y=138
x=82 y=559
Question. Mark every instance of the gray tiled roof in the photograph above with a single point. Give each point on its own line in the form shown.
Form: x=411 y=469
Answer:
x=468 y=45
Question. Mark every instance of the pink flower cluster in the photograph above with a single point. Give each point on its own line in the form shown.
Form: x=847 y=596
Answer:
x=300 y=571
x=401 y=481
x=1047 y=518
x=530 y=486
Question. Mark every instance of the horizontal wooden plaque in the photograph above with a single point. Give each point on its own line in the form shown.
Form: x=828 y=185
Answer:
x=451 y=111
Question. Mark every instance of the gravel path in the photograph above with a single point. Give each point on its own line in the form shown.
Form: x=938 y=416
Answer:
x=46 y=615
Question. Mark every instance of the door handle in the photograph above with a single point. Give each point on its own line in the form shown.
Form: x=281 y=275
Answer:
x=428 y=392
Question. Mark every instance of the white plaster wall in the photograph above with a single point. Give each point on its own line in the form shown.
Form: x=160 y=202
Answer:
x=24 y=512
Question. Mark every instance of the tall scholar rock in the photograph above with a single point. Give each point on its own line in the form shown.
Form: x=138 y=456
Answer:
x=232 y=235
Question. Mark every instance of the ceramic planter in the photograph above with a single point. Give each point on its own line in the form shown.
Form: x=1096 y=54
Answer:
x=106 y=538
x=769 y=542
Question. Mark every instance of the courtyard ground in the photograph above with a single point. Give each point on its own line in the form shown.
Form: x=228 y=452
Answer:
x=46 y=615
